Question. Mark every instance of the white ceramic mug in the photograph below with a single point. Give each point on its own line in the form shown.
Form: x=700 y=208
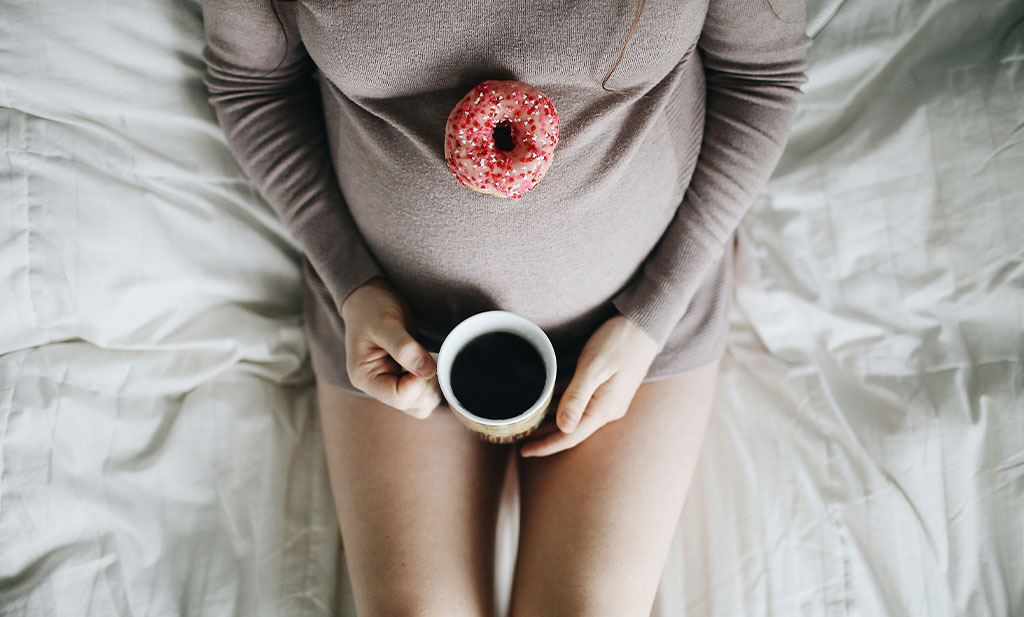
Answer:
x=504 y=430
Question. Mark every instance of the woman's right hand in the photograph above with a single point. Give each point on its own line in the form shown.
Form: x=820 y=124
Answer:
x=379 y=350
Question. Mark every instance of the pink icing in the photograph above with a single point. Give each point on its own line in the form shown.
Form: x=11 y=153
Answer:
x=469 y=143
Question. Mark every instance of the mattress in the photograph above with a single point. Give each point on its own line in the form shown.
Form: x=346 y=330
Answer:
x=160 y=452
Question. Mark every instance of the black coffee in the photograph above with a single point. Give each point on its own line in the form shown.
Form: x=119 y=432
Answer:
x=498 y=375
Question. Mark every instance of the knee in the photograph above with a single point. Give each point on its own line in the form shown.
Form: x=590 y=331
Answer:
x=612 y=600
x=411 y=596
x=418 y=607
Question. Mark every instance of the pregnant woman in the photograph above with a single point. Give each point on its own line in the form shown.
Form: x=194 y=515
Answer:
x=671 y=117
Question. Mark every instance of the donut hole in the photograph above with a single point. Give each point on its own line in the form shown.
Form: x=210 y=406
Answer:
x=504 y=137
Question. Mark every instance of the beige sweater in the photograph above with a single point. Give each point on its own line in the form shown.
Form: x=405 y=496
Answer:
x=337 y=111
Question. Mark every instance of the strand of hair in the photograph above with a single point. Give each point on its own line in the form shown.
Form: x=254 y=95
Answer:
x=622 y=53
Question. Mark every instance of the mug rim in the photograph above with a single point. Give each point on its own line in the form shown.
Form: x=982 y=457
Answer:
x=547 y=354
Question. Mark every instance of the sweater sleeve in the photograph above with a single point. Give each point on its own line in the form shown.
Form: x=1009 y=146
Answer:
x=754 y=54
x=262 y=88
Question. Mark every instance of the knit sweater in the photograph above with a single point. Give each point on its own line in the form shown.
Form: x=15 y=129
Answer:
x=337 y=110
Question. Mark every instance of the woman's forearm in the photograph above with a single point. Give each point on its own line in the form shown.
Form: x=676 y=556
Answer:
x=754 y=64
x=261 y=86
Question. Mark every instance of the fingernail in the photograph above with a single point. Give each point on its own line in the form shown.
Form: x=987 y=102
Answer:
x=421 y=368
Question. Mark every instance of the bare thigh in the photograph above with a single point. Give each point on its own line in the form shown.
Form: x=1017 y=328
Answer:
x=417 y=504
x=597 y=520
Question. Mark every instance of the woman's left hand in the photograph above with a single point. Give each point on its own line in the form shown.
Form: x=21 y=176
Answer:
x=611 y=367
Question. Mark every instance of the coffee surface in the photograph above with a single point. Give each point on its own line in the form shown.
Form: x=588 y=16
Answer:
x=498 y=375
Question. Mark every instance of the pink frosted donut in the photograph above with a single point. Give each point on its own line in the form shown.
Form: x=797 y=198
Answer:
x=500 y=138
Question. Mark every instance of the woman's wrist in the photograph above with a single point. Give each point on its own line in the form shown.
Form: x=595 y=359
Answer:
x=376 y=282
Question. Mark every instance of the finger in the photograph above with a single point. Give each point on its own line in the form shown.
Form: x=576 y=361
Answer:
x=392 y=335
x=426 y=403
x=585 y=381
x=546 y=428
x=398 y=391
x=559 y=441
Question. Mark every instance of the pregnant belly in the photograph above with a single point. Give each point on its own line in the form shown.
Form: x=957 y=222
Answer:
x=556 y=256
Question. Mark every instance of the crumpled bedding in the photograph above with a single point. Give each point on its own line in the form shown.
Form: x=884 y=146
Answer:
x=867 y=451
x=159 y=447
x=159 y=451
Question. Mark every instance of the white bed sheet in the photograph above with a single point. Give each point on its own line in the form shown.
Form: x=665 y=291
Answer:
x=867 y=451
x=159 y=450
x=158 y=443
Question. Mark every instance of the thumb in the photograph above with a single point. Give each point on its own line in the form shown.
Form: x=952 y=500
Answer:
x=407 y=352
x=577 y=396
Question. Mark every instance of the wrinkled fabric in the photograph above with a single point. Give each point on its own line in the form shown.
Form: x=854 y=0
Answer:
x=865 y=455
x=159 y=450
